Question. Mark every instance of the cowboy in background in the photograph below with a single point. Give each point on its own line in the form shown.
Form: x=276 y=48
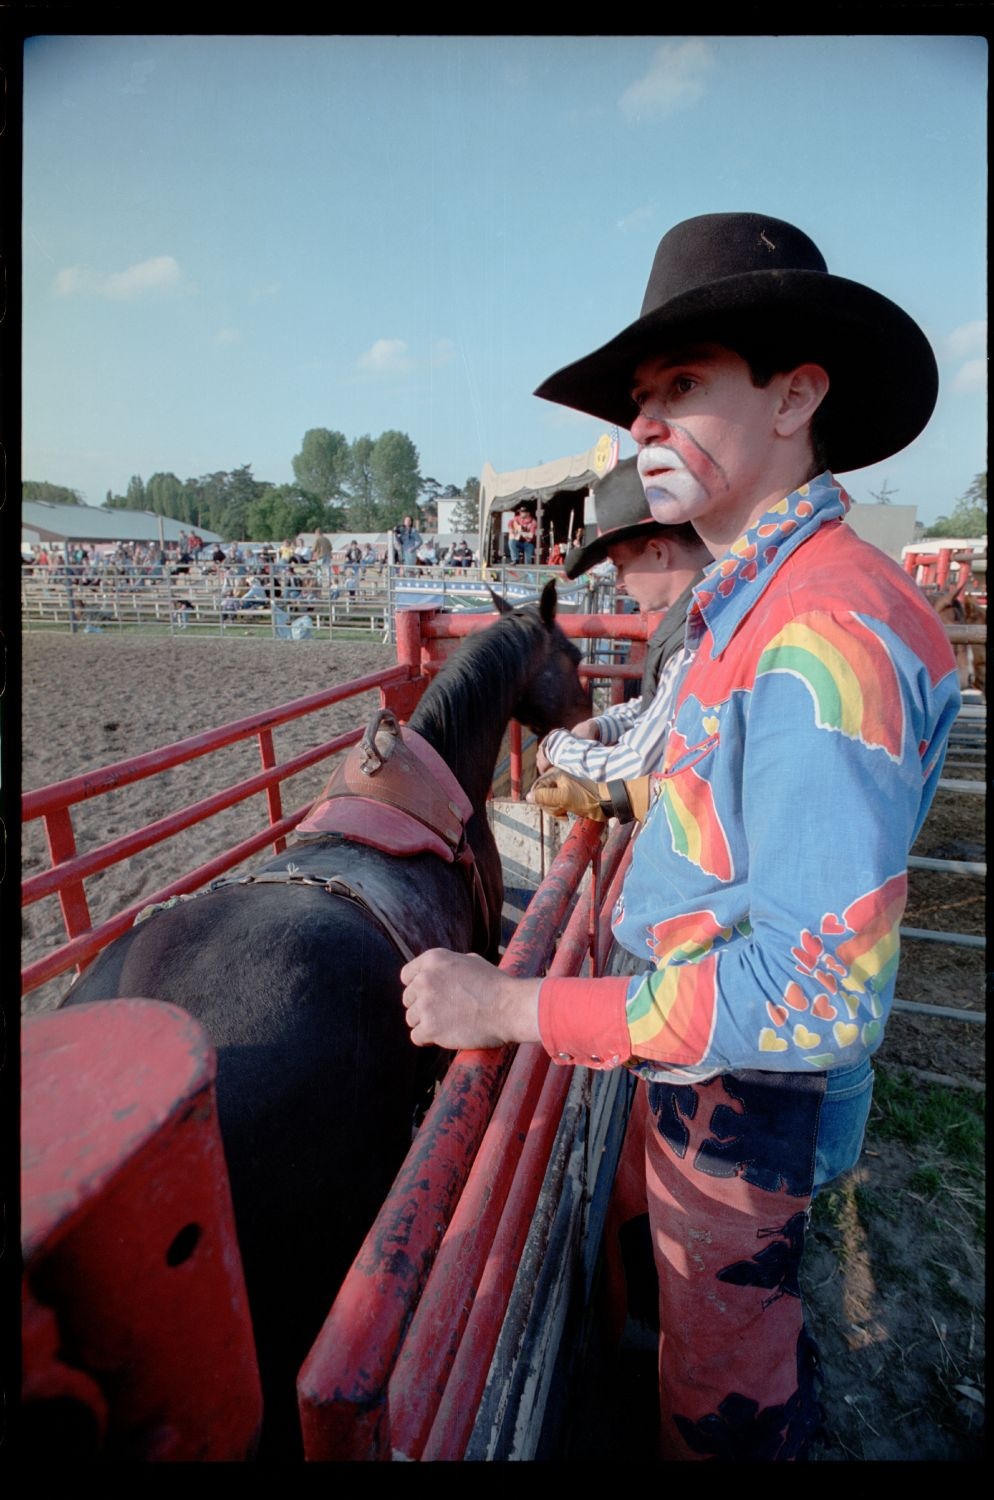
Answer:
x=768 y=880
x=521 y=534
x=656 y=567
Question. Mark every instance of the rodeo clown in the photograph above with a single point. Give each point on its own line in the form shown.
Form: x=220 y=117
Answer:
x=768 y=881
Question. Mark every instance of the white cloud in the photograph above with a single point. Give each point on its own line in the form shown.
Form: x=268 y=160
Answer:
x=385 y=357
x=674 y=81
x=443 y=352
x=972 y=376
x=965 y=341
x=637 y=217
x=157 y=274
x=71 y=279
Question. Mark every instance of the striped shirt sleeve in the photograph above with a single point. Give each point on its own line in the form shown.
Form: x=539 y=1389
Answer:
x=637 y=750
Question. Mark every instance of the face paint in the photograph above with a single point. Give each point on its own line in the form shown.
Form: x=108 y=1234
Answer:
x=679 y=477
x=707 y=439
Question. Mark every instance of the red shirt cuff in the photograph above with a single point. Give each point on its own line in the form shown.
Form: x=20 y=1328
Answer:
x=583 y=1021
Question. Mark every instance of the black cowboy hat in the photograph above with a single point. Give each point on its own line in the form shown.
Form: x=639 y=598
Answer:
x=759 y=286
x=622 y=515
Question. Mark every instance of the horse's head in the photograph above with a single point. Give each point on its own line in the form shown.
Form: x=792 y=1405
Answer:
x=552 y=695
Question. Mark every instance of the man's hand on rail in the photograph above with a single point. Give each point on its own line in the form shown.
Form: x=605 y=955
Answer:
x=560 y=793
x=457 y=1000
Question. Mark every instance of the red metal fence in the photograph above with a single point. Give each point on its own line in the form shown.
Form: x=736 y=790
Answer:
x=424 y=639
x=464 y=1199
x=418 y=1340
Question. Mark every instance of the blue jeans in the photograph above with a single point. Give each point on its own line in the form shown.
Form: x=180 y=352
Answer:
x=845 y=1110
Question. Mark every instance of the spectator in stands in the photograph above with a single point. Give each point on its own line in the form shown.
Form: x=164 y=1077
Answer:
x=462 y=556
x=321 y=551
x=407 y=540
x=353 y=559
x=522 y=533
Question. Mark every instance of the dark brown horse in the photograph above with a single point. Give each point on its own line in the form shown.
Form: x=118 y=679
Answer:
x=299 y=990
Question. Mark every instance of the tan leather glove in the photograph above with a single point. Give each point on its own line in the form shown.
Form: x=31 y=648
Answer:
x=559 y=793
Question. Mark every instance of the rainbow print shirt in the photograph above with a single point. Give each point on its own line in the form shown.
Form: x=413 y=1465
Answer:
x=769 y=880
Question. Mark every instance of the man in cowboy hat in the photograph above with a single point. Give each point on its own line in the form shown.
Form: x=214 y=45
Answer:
x=657 y=567
x=768 y=881
x=521 y=534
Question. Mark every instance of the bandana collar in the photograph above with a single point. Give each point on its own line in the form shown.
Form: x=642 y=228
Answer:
x=733 y=584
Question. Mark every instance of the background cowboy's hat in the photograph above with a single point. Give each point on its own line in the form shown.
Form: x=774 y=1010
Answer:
x=622 y=515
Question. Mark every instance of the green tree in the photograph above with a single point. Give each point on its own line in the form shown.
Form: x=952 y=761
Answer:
x=136 y=493
x=466 y=515
x=283 y=511
x=322 y=466
x=969 y=516
x=220 y=501
x=395 y=463
x=166 y=495
x=55 y=494
x=361 y=509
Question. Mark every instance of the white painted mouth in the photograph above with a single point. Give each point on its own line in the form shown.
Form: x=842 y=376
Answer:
x=657 y=460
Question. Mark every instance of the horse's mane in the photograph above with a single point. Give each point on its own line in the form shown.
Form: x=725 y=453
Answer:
x=472 y=696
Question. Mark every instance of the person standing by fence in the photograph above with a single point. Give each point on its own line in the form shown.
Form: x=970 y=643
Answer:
x=769 y=878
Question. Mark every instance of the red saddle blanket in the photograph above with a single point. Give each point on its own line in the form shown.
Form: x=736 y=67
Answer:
x=412 y=805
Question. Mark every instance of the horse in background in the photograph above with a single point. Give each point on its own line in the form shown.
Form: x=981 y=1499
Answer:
x=299 y=990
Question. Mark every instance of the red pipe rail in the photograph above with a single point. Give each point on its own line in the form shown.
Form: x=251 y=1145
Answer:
x=69 y=869
x=422 y=637
x=449 y=1193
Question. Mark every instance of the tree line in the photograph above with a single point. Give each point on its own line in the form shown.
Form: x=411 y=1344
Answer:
x=368 y=484
x=968 y=517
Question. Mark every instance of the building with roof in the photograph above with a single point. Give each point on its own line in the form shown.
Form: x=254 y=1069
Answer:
x=45 y=524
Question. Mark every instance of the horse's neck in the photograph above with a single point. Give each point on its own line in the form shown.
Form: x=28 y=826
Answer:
x=463 y=715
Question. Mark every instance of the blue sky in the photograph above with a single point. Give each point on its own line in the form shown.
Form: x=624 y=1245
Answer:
x=229 y=240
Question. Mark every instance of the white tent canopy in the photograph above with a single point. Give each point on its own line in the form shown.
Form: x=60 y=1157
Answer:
x=499 y=492
x=570 y=478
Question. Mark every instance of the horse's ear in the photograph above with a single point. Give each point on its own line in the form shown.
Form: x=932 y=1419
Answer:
x=547 y=604
x=501 y=604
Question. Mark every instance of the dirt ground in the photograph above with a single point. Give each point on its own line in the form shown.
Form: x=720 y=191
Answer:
x=894 y=1271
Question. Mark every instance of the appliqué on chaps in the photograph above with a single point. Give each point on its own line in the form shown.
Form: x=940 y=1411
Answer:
x=770 y=1140
x=777 y=1266
x=668 y=1102
x=740 y=1429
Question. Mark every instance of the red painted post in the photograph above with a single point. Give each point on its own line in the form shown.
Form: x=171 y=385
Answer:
x=402 y=698
x=274 y=802
x=517 y=770
x=942 y=565
x=144 y=1349
x=61 y=848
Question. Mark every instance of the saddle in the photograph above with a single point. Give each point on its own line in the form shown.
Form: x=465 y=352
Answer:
x=394 y=792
